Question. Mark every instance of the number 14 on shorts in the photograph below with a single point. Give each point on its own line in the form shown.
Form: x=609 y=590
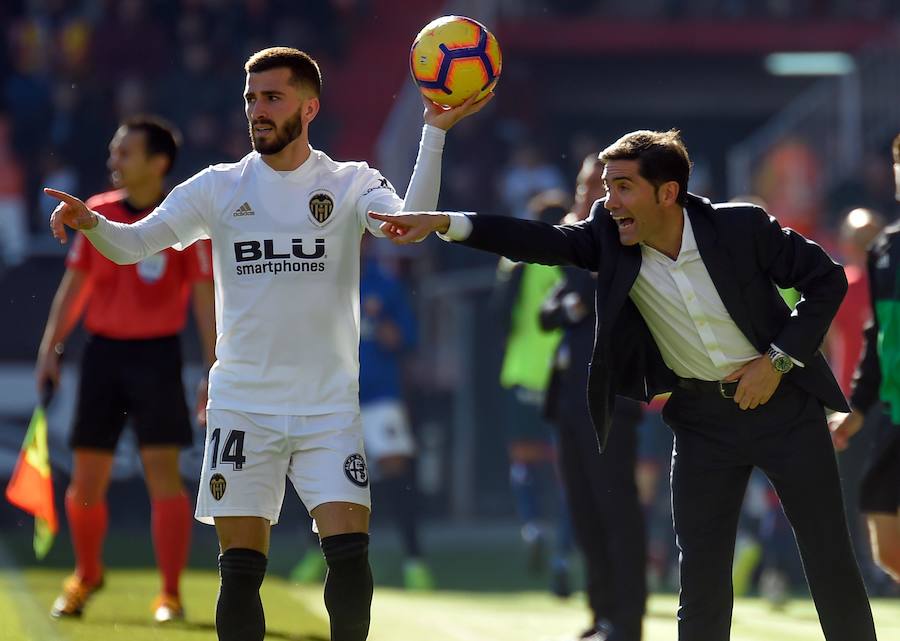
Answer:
x=232 y=449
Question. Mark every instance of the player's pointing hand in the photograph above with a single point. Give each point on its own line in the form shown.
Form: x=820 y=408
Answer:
x=69 y=212
x=403 y=229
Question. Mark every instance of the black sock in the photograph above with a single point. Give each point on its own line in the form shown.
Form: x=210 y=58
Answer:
x=348 y=585
x=398 y=495
x=239 y=610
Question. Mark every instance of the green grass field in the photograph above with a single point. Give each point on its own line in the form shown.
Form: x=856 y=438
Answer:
x=121 y=613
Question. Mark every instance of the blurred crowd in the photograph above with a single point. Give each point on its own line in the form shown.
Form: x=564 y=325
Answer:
x=704 y=9
x=71 y=70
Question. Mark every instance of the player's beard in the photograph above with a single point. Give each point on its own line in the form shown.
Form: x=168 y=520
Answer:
x=280 y=137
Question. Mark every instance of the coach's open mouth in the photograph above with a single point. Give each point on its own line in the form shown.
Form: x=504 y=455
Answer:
x=623 y=222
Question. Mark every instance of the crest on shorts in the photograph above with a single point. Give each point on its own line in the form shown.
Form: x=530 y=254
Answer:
x=321 y=204
x=217 y=486
x=356 y=471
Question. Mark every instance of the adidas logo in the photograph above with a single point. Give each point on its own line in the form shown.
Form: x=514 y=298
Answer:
x=244 y=210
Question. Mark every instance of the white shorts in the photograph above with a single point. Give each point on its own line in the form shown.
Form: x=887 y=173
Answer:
x=247 y=457
x=386 y=430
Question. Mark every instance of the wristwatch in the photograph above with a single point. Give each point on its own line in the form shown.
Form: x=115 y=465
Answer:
x=780 y=361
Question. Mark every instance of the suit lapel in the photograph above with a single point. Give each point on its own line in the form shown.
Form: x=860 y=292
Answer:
x=627 y=268
x=718 y=262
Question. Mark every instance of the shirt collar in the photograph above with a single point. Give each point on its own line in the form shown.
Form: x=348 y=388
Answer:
x=688 y=241
x=297 y=175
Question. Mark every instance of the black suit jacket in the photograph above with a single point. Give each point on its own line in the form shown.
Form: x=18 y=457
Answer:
x=566 y=403
x=748 y=255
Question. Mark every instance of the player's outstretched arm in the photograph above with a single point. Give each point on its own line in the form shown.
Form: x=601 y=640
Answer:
x=445 y=117
x=121 y=243
x=407 y=228
x=70 y=212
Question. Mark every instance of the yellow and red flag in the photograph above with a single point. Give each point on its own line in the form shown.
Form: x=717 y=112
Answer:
x=31 y=485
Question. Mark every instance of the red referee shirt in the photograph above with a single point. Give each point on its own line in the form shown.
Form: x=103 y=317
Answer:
x=141 y=301
x=852 y=316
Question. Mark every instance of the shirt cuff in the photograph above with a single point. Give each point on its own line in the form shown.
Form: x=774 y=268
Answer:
x=97 y=230
x=460 y=227
x=778 y=349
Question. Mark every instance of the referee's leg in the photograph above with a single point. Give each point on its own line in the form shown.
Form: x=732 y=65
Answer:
x=343 y=529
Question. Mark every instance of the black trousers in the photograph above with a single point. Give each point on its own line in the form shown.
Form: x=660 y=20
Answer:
x=607 y=517
x=716 y=446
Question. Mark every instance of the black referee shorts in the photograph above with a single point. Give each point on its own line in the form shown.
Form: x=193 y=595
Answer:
x=138 y=380
x=879 y=491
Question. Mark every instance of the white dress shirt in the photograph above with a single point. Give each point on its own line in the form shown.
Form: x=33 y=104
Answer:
x=682 y=308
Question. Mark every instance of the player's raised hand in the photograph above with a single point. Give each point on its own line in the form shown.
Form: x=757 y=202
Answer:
x=70 y=212
x=445 y=117
x=403 y=229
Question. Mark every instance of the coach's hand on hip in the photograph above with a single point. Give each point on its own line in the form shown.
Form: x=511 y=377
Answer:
x=445 y=117
x=403 y=229
x=758 y=381
x=69 y=212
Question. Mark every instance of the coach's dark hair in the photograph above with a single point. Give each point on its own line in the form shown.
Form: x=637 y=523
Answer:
x=160 y=136
x=304 y=70
x=661 y=156
x=896 y=147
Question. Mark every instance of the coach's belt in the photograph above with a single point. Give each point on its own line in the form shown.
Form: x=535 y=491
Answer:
x=725 y=389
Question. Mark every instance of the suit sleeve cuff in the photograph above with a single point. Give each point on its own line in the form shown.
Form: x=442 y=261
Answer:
x=795 y=361
x=460 y=227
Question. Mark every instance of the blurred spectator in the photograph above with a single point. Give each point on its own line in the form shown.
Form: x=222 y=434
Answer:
x=202 y=134
x=845 y=339
x=57 y=173
x=527 y=174
x=179 y=97
x=789 y=180
x=527 y=364
x=13 y=230
x=129 y=42
x=130 y=98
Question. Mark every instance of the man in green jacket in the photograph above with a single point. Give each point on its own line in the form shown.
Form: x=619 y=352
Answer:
x=878 y=379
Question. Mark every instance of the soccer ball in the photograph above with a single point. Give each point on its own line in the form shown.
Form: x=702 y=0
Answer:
x=453 y=58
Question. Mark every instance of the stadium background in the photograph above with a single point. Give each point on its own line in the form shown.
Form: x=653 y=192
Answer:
x=576 y=75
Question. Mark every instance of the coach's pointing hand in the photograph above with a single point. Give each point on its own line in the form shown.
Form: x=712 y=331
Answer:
x=411 y=228
x=69 y=212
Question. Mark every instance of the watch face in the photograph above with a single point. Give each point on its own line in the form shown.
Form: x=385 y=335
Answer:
x=782 y=364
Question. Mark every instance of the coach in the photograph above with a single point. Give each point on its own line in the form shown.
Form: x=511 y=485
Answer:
x=687 y=302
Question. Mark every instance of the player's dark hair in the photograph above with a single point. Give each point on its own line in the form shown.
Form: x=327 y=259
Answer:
x=661 y=155
x=160 y=137
x=304 y=70
x=896 y=148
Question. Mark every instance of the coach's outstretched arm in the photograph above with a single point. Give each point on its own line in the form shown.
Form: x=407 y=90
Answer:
x=123 y=244
x=527 y=241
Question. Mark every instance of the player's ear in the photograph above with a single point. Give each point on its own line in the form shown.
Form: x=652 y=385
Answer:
x=310 y=108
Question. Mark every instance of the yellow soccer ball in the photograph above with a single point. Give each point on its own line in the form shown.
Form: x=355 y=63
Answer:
x=453 y=58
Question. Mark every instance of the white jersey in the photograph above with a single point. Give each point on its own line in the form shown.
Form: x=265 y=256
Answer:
x=286 y=256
